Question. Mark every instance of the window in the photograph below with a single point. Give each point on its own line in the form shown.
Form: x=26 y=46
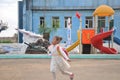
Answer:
x=42 y=22
x=89 y=22
x=101 y=23
x=111 y=24
x=66 y=19
x=55 y=22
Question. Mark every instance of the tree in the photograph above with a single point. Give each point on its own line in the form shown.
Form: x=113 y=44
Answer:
x=43 y=29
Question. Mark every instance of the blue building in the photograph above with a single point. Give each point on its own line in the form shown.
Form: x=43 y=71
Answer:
x=54 y=13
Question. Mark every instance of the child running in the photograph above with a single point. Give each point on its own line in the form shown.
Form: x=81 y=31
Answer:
x=59 y=61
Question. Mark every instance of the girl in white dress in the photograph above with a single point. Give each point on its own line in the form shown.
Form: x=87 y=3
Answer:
x=59 y=61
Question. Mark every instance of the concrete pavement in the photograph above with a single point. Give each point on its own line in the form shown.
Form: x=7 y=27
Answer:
x=38 y=69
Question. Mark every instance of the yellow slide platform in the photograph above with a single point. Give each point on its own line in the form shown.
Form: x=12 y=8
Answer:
x=75 y=44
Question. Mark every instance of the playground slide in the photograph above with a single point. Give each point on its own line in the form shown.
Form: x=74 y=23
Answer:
x=96 y=41
x=73 y=46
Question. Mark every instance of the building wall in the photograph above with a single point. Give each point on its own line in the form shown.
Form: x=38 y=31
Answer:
x=34 y=9
x=117 y=23
x=48 y=19
x=73 y=3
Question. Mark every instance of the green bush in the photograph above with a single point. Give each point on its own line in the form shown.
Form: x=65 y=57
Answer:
x=5 y=41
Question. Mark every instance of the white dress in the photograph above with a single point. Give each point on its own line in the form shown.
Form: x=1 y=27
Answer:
x=57 y=61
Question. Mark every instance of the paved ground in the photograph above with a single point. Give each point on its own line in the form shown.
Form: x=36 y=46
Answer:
x=38 y=69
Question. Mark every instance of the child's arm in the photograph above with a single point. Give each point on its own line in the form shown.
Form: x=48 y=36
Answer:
x=63 y=53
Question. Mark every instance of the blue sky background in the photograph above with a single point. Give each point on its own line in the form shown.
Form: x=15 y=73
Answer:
x=9 y=14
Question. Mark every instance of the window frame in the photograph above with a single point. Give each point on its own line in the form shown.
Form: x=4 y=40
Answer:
x=42 y=21
x=57 y=22
x=65 y=21
x=88 y=22
x=101 y=23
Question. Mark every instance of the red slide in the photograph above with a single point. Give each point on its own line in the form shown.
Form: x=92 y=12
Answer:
x=96 y=41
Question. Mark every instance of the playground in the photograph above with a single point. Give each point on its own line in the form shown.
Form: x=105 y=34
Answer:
x=95 y=37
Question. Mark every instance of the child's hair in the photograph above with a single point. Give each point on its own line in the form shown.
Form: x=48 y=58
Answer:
x=58 y=38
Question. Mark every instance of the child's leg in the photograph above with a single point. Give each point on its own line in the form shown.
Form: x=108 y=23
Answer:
x=68 y=73
x=54 y=75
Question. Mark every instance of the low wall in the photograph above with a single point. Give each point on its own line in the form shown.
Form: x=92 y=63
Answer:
x=13 y=48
